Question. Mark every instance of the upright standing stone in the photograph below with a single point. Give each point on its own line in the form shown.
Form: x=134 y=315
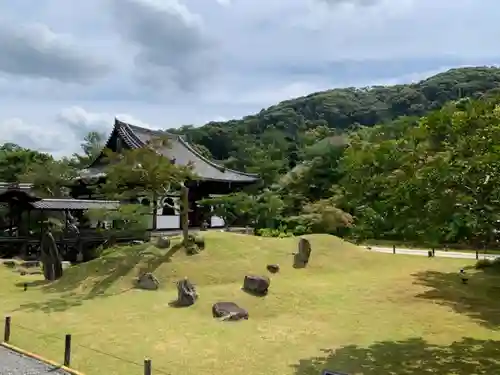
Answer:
x=204 y=226
x=186 y=293
x=50 y=257
x=301 y=258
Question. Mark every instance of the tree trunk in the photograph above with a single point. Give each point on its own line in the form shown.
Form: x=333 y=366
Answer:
x=184 y=213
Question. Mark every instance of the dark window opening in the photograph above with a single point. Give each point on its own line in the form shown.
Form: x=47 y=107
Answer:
x=168 y=207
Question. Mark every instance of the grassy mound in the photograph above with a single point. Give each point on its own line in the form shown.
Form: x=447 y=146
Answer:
x=228 y=257
x=345 y=297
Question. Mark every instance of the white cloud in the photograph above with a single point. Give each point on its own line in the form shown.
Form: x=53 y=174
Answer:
x=202 y=61
x=15 y=130
x=80 y=122
x=35 y=51
x=172 y=48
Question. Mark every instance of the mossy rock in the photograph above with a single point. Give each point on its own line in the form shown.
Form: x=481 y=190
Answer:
x=163 y=242
x=192 y=249
x=200 y=242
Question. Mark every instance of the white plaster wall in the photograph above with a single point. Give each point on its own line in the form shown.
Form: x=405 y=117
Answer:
x=165 y=221
x=173 y=221
x=168 y=222
x=216 y=222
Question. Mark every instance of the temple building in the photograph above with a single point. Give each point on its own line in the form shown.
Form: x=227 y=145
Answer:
x=212 y=178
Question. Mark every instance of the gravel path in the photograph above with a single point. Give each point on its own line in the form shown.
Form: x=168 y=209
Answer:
x=12 y=363
x=439 y=253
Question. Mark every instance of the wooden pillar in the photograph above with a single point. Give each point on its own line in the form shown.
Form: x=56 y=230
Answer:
x=11 y=219
x=65 y=232
x=185 y=212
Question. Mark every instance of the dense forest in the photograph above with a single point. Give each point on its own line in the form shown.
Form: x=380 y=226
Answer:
x=416 y=162
x=286 y=130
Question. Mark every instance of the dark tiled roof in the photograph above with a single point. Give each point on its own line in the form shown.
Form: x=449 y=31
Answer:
x=180 y=150
x=4 y=186
x=17 y=193
x=74 y=204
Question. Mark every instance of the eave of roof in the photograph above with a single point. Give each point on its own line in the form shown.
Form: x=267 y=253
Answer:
x=58 y=204
x=24 y=186
x=180 y=150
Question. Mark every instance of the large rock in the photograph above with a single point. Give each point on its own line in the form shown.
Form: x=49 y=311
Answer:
x=301 y=258
x=163 y=242
x=229 y=311
x=258 y=285
x=148 y=281
x=186 y=293
x=50 y=257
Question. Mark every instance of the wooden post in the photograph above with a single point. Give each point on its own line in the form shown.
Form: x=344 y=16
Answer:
x=147 y=367
x=67 y=351
x=155 y=212
x=6 y=332
x=394 y=249
x=433 y=252
x=184 y=213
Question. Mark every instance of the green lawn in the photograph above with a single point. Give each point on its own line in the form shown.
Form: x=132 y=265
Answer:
x=350 y=310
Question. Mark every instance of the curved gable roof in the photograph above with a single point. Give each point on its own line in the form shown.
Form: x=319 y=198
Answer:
x=180 y=150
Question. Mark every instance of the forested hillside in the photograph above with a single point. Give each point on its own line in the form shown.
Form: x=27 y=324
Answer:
x=415 y=162
x=286 y=129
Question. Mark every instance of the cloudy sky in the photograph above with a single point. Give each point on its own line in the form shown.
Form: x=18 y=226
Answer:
x=68 y=67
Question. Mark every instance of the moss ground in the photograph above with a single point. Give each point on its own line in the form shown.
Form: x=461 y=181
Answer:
x=350 y=310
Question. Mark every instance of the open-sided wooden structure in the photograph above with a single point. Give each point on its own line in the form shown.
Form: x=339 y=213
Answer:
x=26 y=216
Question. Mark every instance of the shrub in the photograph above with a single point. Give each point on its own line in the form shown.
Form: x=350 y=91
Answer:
x=194 y=244
x=482 y=264
x=200 y=242
x=265 y=232
x=163 y=242
x=192 y=249
x=300 y=230
x=280 y=232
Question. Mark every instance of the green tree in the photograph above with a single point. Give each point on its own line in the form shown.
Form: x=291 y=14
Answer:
x=51 y=178
x=288 y=128
x=15 y=161
x=92 y=145
x=437 y=182
x=146 y=172
x=230 y=207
